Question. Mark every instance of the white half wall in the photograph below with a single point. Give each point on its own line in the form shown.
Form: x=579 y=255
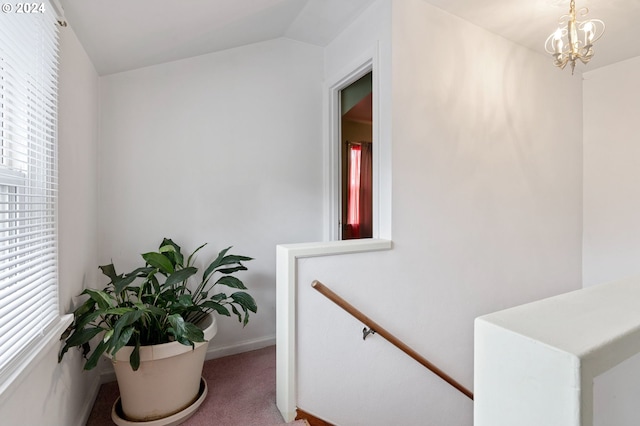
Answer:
x=223 y=148
x=563 y=361
x=611 y=247
x=52 y=393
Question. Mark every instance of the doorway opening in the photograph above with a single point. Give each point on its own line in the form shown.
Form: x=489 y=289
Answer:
x=356 y=164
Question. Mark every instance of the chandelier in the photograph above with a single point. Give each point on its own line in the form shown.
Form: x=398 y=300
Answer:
x=573 y=40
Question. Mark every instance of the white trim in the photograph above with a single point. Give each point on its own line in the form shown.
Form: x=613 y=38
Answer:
x=92 y=396
x=238 y=348
x=332 y=152
x=286 y=275
x=35 y=354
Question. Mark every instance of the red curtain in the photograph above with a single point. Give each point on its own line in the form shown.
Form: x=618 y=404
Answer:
x=365 y=197
x=359 y=197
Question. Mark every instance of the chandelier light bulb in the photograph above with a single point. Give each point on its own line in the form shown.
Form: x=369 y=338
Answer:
x=557 y=41
x=574 y=39
x=588 y=32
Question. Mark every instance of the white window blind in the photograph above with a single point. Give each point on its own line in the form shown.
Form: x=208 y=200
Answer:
x=28 y=178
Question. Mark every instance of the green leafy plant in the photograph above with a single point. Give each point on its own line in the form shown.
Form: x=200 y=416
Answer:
x=156 y=304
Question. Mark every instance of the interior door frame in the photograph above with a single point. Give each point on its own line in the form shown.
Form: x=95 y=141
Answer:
x=333 y=151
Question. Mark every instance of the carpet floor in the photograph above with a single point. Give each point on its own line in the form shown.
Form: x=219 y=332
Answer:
x=242 y=392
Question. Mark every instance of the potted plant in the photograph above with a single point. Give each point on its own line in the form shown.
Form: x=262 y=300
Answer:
x=154 y=323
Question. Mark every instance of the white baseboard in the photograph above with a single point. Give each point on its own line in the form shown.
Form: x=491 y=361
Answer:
x=108 y=375
x=237 y=348
x=90 y=400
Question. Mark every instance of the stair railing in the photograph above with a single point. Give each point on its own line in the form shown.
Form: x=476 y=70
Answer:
x=375 y=328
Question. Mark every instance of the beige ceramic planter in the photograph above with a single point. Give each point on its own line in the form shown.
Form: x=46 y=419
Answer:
x=168 y=379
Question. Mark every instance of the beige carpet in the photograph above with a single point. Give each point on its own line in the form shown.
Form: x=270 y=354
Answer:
x=242 y=392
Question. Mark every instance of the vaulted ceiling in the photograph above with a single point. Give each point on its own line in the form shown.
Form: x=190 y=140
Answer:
x=127 y=34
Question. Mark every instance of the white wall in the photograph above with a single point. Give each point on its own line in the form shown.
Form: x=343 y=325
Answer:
x=52 y=393
x=611 y=247
x=611 y=242
x=487 y=198
x=223 y=148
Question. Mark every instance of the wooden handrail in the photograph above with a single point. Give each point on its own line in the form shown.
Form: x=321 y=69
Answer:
x=376 y=328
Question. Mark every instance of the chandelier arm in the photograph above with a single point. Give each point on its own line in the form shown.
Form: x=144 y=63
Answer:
x=583 y=11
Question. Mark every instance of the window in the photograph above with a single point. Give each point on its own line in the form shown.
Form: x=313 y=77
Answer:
x=28 y=179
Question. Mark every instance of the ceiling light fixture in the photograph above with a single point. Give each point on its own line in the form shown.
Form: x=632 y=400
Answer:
x=574 y=40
